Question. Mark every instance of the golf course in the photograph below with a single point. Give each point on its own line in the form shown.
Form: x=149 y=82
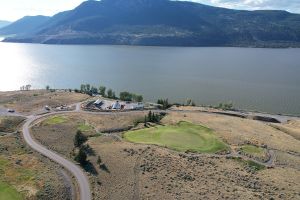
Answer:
x=8 y=193
x=183 y=136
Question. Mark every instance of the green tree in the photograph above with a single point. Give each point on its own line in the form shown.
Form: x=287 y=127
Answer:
x=150 y=116
x=81 y=157
x=164 y=103
x=145 y=120
x=47 y=87
x=114 y=95
x=102 y=90
x=83 y=88
x=79 y=139
x=88 y=87
x=137 y=98
x=126 y=96
x=94 y=90
x=109 y=93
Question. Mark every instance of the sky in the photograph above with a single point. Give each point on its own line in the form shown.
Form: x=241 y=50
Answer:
x=12 y=10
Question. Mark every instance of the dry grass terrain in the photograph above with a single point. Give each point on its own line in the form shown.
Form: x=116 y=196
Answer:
x=140 y=171
x=10 y=124
x=28 y=102
x=29 y=174
x=291 y=127
x=149 y=172
x=58 y=132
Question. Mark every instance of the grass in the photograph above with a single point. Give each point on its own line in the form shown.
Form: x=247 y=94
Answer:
x=254 y=165
x=85 y=127
x=8 y=193
x=14 y=174
x=253 y=150
x=181 y=137
x=56 y=120
x=249 y=163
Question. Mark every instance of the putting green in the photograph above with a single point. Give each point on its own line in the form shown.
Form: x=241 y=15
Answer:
x=181 y=137
x=9 y=193
x=55 y=120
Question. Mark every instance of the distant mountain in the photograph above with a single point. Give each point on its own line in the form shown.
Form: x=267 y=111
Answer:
x=4 y=23
x=24 y=26
x=164 y=23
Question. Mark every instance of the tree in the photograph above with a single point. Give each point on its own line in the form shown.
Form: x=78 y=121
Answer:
x=164 y=103
x=154 y=118
x=99 y=161
x=88 y=87
x=138 y=98
x=145 y=120
x=150 y=116
x=27 y=87
x=114 y=95
x=94 y=90
x=126 y=96
x=109 y=93
x=83 y=88
x=79 y=139
x=47 y=87
x=81 y=157
x=102 y=90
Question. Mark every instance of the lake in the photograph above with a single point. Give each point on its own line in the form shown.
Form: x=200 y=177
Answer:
x=255 y=79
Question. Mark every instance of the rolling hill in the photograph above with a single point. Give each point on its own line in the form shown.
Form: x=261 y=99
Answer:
x=162 y=23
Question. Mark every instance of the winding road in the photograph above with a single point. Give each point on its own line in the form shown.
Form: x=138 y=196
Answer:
x=83 y=183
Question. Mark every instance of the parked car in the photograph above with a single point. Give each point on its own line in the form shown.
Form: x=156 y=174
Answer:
x=47 y=108
x=10 y=110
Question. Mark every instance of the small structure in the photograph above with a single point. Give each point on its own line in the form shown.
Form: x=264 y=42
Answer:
x=116 y=106
x=137 y=106
x=98 y=103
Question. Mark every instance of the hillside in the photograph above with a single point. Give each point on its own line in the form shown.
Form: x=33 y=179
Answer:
x=4 y=23
x=164 y=23
x=24 y=26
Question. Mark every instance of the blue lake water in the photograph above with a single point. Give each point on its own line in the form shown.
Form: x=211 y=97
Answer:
x=255 y=79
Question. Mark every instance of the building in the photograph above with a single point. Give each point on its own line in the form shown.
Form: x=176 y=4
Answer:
x=116 y=106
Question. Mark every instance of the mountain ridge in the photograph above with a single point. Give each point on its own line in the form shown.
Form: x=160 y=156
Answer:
x=165 y=23
x=4 y=23
x=24 y=26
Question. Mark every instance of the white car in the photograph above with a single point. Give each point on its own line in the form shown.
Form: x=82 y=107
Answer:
x=47 y=108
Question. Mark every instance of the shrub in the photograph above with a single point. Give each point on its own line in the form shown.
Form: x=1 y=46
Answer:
x=164 y=103
x=81 y=157
x=79 y=139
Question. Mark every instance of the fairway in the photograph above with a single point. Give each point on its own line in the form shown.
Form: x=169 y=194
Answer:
x=181 y=137
x=8 y=193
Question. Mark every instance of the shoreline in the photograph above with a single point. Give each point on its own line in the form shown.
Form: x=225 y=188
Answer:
x=239 y=111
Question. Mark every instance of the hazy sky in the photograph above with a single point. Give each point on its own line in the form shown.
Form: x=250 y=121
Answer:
x=15 y=9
